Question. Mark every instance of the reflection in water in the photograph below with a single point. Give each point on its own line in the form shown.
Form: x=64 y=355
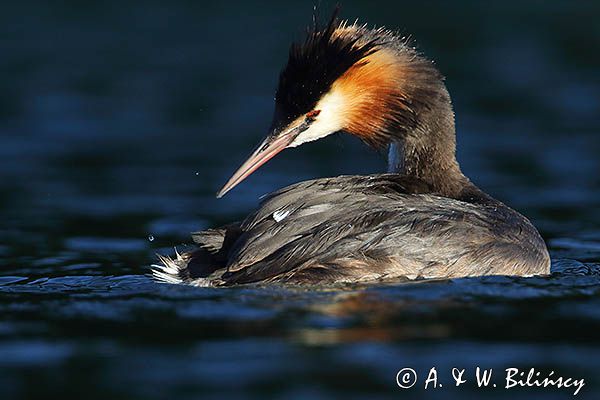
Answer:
x=130 y=323
x=119 y=123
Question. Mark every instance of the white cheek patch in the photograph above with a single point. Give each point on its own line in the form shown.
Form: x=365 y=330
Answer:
x=329 y=120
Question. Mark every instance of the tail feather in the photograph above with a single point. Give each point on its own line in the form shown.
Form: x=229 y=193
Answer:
x=169 y=271
x=211 y=239
x=202 y=266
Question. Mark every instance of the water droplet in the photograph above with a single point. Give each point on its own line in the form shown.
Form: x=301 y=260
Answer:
x=151 y=238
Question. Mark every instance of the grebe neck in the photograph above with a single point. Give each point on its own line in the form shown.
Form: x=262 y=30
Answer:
x=428 y=151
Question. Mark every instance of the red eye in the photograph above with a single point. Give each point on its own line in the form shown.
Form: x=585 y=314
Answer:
x=312 y=114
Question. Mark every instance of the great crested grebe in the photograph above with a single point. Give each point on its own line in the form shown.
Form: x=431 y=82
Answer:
x=423 y=219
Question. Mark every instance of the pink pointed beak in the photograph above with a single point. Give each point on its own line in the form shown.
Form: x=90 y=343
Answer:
x=268 y=149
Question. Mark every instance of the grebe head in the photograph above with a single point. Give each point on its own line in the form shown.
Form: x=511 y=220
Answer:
x=366 y=82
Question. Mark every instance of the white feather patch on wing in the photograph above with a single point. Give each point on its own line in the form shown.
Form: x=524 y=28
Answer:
x=280 y=215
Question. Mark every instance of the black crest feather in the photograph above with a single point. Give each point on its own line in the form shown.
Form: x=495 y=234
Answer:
x=313 y=65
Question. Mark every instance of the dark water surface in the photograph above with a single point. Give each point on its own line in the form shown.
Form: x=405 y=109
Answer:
x=118 y=123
